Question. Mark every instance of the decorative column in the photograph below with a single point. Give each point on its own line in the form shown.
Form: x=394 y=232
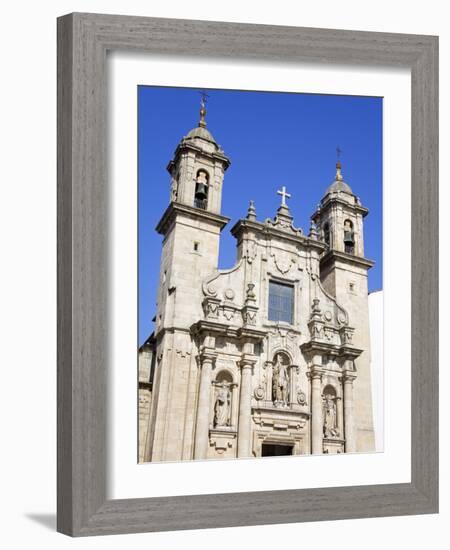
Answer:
x=204 y=400
x=316 y=412
x=245 y=407
x=349 y=423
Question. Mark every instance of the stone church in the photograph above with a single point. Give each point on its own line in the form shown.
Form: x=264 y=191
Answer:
x=272 y=356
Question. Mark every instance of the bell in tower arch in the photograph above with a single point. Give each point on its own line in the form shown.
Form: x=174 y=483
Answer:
x=349 y=237
x=201 y=190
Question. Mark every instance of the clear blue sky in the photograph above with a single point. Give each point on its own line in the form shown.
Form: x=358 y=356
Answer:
x=273 y=139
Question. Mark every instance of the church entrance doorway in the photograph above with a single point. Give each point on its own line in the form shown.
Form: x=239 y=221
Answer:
x=269 y=449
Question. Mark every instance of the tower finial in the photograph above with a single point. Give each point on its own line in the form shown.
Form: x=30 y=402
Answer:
x=338 y=164
x=251 y=213
x=203 y=101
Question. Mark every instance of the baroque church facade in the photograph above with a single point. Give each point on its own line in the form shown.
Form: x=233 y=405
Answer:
x=272 y=356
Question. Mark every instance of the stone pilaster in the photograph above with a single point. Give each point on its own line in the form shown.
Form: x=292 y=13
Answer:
x=293 y=372
x=340 y=416
x=204 y=399
x=349 y=421
x=316 y=411
x=268 y=366
x=245 y=407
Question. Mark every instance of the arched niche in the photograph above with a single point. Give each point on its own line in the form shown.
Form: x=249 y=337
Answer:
x=224 y=400
x=331 y=412
x=281 y=378
x=224 y=376
x=329 y=389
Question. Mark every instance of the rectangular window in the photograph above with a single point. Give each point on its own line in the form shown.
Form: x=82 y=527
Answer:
x=281 y=302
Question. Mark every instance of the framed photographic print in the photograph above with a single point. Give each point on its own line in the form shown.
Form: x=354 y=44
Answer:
x=247 y=276
x=280 y=333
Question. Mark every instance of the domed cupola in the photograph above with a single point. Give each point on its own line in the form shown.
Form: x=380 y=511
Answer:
x=339 y=185
x=200 y=136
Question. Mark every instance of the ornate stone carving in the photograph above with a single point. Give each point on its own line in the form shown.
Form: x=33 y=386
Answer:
x=315 y=309
x=211 y=290
x=222 y=439
x=259 y=393
x=249 y=316
x=301 y=398
x=251 y=296
x=283 y=261
x=249 y=310
x=328 y=316
x=211 y=307
x=182 y=353
x=229 y=294
x=228 y=313
x=347 y=336
x=250 y=251
x=284 y=221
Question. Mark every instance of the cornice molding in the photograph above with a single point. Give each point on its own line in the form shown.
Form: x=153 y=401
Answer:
x=242 y=225
x=176 y=208
x=332 y=256
x=328 y=202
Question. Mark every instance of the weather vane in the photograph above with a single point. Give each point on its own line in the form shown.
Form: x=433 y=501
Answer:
x=204 y=97
x=338 y=152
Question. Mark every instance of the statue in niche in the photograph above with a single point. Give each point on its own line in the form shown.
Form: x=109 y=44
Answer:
x=329 y=416
x=222 y=405
x=280 y=381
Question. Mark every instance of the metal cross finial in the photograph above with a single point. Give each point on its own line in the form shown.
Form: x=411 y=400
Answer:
x=284 y=195
x=338 y=164
x=204 y=97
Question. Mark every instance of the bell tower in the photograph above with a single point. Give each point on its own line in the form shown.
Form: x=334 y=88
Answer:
x=339 y=218
x=191 y=227
x=197 y=168
x=343 y=273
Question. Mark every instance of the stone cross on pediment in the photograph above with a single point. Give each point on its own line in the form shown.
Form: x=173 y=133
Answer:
x=284 y=195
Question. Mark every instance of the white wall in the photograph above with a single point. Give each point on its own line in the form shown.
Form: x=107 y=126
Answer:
x=376 y=365
x=28 y=299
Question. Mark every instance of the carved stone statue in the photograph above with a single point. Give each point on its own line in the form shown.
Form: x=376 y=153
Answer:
x=329 y=417
x=222 y=405
x=280 y=382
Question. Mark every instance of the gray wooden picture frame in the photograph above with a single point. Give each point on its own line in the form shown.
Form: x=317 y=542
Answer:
x=83 y=42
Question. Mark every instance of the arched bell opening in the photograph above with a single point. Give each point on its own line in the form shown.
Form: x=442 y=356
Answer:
x=349 y=237
x=326 y=233
x=201 y=189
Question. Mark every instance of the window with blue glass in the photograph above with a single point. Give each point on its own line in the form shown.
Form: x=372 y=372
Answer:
x=281 y=302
